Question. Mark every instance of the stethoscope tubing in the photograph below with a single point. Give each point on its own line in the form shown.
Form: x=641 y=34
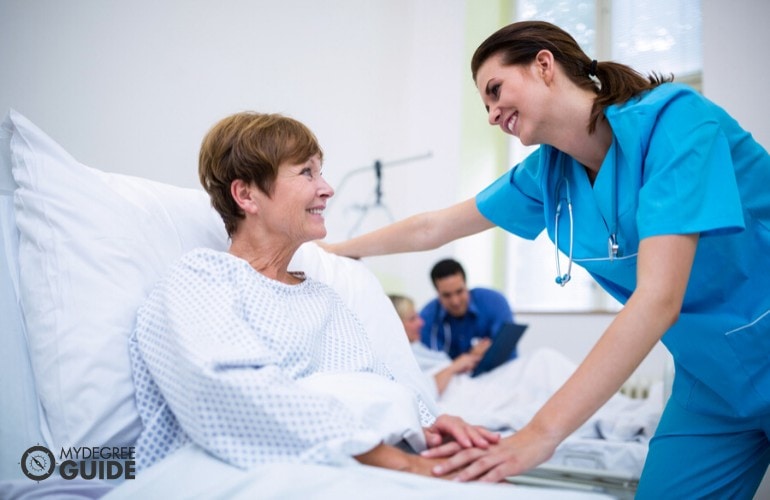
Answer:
x=563 y=279
x=612 y=242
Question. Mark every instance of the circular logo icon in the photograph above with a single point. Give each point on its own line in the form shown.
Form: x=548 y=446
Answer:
x=37 y=463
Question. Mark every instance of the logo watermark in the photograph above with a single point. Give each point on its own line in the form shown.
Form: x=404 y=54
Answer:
x=86 y=462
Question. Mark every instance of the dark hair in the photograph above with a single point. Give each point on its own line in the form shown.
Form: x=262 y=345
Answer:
x=251 y=147
x=519 y=43
x=444 y=268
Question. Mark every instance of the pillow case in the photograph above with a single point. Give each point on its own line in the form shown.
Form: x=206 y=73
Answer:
x=19 y=412
x=91 y=246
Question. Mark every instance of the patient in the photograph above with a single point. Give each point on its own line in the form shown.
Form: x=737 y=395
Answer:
x=507 y=397
x=437 y=364
x=226 y=343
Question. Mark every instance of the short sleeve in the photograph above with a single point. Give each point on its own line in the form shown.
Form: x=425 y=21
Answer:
x=689 y=184
x=514 y=201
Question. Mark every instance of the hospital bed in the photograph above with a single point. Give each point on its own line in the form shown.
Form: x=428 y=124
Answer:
x=81 y=248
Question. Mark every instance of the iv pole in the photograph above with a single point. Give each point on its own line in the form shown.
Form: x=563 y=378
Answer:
x=378 y=167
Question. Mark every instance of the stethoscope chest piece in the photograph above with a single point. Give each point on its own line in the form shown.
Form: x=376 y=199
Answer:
x=565 y=199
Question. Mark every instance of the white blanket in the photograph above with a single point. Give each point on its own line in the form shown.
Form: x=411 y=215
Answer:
x=382 y=405
x=191 y=473
x=507 y=397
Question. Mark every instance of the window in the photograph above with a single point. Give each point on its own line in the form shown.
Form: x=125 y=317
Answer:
x=649 y=35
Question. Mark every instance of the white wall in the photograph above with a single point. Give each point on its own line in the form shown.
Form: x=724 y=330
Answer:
x=735 y=70
x=132 y=87
x=574 y=335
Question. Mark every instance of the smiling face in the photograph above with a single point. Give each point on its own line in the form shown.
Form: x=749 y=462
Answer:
x=453 y=294
x=294 y=210
x=514 y=96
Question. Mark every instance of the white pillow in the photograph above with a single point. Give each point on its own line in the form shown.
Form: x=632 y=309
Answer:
x=91 y=246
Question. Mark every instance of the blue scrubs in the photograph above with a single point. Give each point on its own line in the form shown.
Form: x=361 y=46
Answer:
x=488 y=310
x=678 y=164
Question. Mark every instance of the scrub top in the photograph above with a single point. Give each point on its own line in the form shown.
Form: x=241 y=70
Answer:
x=488 y=311
x=678 y=164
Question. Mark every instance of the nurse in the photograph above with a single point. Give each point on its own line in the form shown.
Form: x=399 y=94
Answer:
x=665 y=200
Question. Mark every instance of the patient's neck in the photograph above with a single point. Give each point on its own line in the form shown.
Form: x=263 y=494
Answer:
x=270 y=258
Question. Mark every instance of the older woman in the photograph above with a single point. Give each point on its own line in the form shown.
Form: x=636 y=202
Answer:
x=224 y=342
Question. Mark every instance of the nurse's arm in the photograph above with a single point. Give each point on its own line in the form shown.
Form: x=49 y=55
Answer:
x=424 y=231
x=663 y=269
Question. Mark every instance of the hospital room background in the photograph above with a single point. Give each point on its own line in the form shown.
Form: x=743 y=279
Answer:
x=131 y=87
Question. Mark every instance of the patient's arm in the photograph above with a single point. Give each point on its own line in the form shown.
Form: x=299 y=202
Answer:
x=390 y=457
x=461 y=364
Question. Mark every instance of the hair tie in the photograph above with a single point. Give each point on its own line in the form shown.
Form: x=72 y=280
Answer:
x=592 y=68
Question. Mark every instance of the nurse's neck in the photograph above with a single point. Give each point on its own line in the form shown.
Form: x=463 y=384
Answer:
x=592 y=149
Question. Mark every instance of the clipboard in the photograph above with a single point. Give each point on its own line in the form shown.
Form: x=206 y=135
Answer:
x=502 y=346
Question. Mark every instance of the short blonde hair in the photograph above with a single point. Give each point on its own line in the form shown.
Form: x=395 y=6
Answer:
x=402 y=304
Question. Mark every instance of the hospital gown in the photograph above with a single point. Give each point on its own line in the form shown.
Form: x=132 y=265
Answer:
x=218 y=353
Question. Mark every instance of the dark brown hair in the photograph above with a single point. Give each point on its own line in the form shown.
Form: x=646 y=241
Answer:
x=251 y=147
x=519 y=43
x=444 y=268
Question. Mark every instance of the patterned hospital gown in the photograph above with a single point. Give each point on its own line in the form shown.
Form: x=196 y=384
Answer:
x=216 y=354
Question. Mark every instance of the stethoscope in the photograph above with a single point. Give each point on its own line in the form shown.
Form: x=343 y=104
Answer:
x=566 y=200
x=447 y=331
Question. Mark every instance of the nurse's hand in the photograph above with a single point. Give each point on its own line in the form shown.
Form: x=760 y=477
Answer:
x=513 y=455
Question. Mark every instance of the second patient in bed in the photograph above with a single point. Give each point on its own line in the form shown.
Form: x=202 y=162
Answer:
x=434 y=363
x=226 y=339
x=507 y=397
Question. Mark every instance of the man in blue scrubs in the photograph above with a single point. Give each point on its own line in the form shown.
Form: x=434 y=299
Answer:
x=458 y=318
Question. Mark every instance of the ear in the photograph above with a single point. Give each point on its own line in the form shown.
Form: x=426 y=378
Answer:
x=243 y=194
x=544 y=65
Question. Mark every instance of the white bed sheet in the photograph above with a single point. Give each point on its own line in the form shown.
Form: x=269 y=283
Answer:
x=192 y=473
x=614 y=439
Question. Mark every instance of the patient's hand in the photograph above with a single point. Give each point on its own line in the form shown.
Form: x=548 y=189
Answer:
x=390 y=457
x=464 y=363
x=455 y=430
x=480 y=347
x=425 y=466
